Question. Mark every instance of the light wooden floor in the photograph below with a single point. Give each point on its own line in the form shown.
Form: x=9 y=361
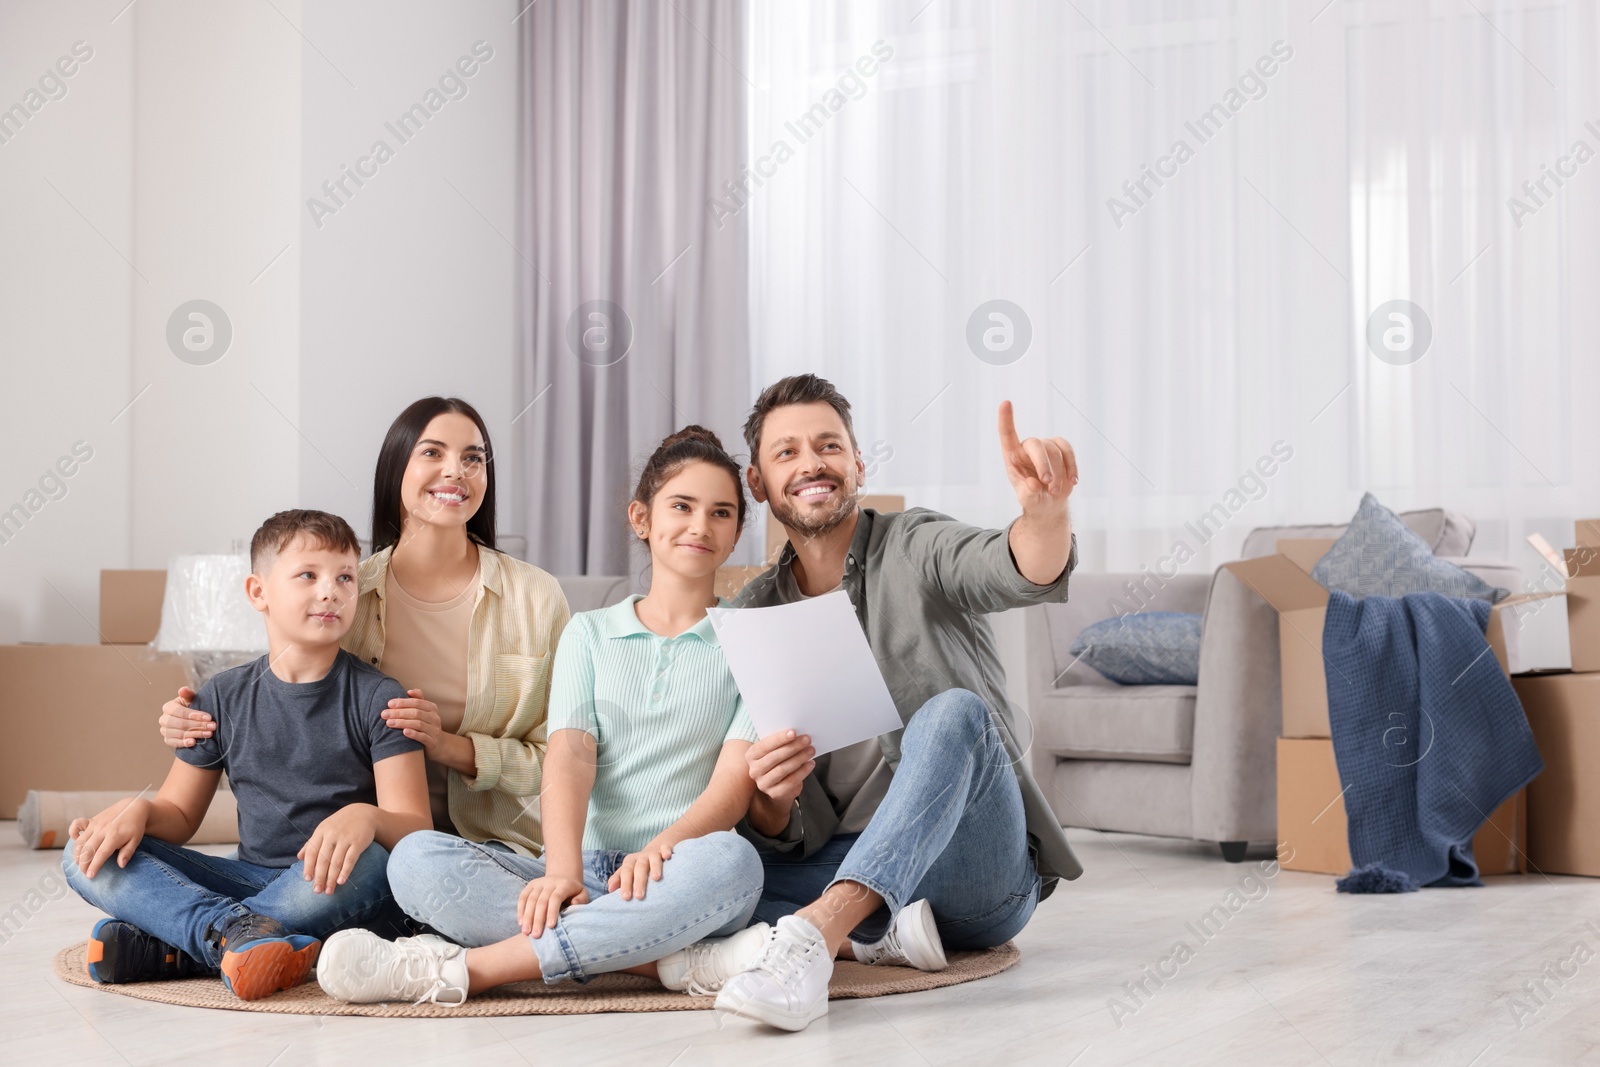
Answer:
x=1294 y=974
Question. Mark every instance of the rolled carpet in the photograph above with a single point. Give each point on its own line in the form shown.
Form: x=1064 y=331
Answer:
x=45 y=815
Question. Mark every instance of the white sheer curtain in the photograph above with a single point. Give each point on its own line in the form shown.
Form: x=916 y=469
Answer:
x=1354 y=154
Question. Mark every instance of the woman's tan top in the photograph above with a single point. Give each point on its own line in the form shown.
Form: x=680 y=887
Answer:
x=425 y=645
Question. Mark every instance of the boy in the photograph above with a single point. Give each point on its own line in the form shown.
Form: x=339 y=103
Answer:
x=324 y=789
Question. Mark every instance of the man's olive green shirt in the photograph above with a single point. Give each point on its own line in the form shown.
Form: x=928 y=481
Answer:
x=921 y=583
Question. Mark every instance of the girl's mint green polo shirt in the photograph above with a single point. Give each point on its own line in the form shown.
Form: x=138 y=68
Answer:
x=659 y=709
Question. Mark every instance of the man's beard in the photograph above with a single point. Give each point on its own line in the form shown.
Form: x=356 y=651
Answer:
x=813 y=524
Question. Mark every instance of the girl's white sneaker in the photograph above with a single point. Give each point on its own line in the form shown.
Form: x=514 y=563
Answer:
x=359 y=967
x=703 y=967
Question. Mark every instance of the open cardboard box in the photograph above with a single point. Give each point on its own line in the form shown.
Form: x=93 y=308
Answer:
x=1580 y=567
x=1284 y=581
x=1313 y=834
x=1564 y=802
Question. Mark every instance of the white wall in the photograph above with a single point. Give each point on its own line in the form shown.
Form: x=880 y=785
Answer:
x=216 y=151
x=65 y=292
x=407 y=290
x=184 y=151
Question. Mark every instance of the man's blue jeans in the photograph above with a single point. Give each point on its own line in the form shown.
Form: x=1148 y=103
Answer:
x=468 y=892
x=951 y=830
x=184 y=897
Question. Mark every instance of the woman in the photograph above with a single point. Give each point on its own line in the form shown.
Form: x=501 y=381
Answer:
x=468 y=630
x=644 y=781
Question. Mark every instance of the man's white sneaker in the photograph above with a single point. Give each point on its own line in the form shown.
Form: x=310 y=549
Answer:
x=359 y=967
x=912 y=941
x=787 y=985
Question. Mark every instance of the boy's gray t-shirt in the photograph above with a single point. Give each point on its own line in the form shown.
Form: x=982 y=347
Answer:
x=296 y=752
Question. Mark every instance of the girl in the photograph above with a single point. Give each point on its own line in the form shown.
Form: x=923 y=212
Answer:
x=445 y=613
x=644 y=779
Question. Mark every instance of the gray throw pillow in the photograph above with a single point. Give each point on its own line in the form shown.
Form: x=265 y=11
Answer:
x=1379 y=556
x=1152 y=648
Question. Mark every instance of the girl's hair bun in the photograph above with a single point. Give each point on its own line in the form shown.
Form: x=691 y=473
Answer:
x=692 y=432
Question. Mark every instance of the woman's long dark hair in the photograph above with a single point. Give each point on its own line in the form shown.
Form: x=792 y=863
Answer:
x=404 y=432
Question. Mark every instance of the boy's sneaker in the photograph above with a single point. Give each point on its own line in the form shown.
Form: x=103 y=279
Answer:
x=261 y=957
x=121 y=952
x=912 y=941
x=702 y=968
x=359 y=967
x=787 y=985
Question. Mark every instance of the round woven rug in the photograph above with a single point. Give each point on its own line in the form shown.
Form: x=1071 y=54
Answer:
x=610 y=992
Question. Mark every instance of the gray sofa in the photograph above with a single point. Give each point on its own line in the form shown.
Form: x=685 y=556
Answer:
x=1196 y=762
x=585 y=592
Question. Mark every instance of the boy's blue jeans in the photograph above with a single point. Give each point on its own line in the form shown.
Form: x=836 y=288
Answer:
x=468 y=892
x=184 y=897
x=950 y=830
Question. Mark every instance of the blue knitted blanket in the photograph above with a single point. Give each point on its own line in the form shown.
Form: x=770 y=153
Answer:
x=1428 y=734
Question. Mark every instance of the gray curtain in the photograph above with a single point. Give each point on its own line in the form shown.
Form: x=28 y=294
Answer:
x=633 y=117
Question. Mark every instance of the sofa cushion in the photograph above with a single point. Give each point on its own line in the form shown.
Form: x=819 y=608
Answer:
x=1154 y=723
x=1102 y=596
x=1446 y=533
x=1381 y=556
x=1147 y=648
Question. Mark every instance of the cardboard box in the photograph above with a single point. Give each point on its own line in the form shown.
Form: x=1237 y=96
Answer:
x=82 y=717
x=1284 y=581
x=1564 y=801
x=777 y=537
x=1580 y=567
x=1583 y=602
x=1313 y=833
x=1583 y=595
x=130 y=606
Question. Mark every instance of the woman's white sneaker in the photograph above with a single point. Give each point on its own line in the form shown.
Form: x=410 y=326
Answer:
x=787 y=985
x=703 y=968
x=912 y=941
x=359 y=967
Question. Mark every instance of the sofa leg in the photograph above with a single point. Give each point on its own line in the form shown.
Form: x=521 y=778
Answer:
x=1233 y=851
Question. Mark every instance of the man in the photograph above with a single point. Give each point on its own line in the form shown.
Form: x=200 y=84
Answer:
x=936 y=834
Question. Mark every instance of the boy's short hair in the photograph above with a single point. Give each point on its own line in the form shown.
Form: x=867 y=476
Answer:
x=328 y=531
x=795 y=389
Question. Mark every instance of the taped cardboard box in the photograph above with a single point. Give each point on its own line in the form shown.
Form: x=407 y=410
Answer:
x=130 y=606
x=1564 y=801
x=1313 y=833
x=82 y=717
x=1284 y=581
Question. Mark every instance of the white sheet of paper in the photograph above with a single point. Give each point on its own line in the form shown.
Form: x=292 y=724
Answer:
x=807 y=666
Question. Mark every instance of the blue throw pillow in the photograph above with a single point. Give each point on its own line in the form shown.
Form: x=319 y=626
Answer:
x=1153 y=648
x=1380 y=556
